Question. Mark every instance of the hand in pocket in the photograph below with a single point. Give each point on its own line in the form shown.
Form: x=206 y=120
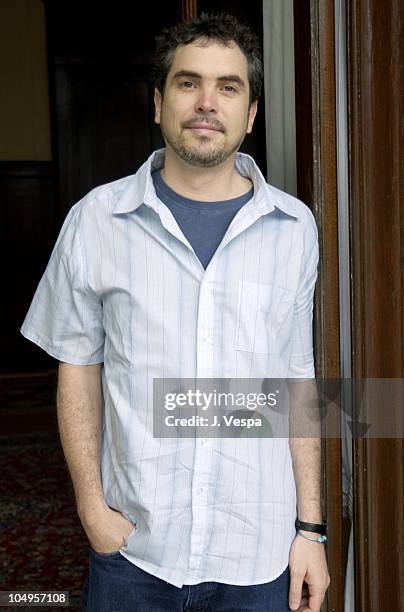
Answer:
x=106 y=529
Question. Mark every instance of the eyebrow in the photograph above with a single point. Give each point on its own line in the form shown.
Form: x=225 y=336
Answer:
x=232 y=78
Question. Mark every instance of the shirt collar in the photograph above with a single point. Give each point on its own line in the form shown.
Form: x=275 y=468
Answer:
x=140 y=189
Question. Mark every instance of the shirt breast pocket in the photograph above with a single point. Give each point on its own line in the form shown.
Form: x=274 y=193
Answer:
x=264 y=317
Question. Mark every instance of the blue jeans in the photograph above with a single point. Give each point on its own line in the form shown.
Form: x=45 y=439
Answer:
x=114 y=584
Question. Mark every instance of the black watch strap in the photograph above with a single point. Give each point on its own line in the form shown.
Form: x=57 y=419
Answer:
x=314 y=527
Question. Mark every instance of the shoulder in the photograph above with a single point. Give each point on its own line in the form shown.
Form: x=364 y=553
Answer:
x=291 y=205
x=101 y=199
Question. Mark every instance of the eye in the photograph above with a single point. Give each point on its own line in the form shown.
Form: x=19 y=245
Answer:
x=230 y=89
x=187 y=84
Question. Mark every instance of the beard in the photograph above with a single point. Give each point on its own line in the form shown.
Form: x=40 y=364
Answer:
x=204 y=153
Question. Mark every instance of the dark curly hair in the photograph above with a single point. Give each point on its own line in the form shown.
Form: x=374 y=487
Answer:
x=221 y=27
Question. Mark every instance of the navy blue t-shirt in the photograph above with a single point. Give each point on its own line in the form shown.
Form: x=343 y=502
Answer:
x=203 y=223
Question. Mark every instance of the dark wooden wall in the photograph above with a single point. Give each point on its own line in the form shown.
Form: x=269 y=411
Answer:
x=100 y=68
x=27 y=228
x=376 y=40
x=376 y=130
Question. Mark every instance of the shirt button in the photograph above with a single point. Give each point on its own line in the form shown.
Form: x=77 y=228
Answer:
x=199 y=490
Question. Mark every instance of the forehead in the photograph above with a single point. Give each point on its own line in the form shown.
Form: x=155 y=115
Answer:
x=210 y=59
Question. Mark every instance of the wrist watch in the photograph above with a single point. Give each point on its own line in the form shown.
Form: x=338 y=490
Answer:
x=320 y=528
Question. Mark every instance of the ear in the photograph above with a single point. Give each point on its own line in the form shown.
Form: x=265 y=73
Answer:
x=251 y=116
x=157 y=105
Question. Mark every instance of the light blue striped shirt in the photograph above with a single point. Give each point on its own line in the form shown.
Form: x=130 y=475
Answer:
x=123 y=287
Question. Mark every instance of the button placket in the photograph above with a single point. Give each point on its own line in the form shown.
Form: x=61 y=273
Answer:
x=202 y=458
x=205 y=329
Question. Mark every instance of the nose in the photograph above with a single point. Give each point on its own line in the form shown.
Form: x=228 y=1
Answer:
x=206 y=101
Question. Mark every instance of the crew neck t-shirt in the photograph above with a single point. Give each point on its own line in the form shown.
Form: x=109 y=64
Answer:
x=203 y=223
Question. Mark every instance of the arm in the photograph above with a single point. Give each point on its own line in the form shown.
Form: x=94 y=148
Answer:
x=305 y=448
x=79 y=406
x=307 y=559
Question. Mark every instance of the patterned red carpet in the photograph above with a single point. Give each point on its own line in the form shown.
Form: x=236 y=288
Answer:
x=42 y=544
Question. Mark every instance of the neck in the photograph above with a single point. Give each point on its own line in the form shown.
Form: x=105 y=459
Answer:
x=222 y=182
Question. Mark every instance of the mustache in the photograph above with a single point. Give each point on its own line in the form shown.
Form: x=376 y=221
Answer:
x=210 y=123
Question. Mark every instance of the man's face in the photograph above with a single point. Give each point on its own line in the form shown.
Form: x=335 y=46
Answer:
x=204 y=114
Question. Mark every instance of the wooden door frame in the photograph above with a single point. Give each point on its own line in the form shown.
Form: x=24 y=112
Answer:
x=376 y=93
x=376 y=183
x=316 y=155
x=327 y=304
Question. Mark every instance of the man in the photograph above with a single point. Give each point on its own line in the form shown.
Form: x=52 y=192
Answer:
x=192 y=268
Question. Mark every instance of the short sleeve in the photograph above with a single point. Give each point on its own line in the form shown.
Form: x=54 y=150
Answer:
x=301 y=362
x=65 y=317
